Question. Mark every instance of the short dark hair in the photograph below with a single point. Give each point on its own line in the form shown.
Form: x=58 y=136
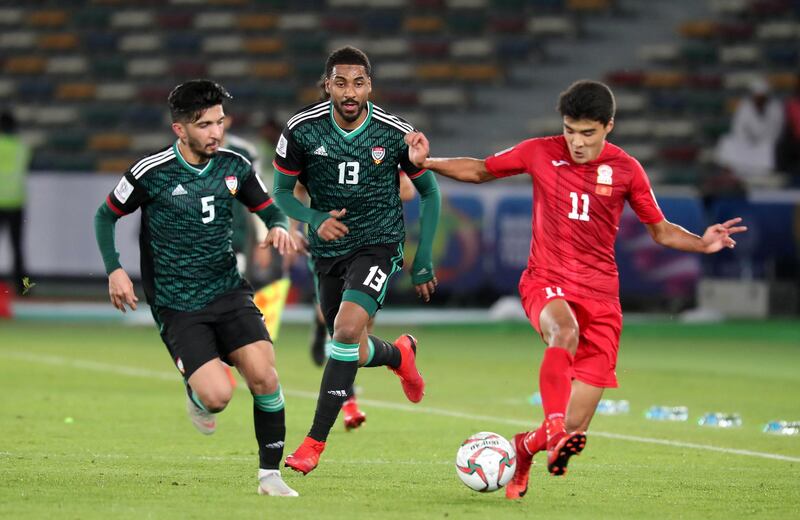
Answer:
x=189 y=100
x=347 y=56
x=587 y=99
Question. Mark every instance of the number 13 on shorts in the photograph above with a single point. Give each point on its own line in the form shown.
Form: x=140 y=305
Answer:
x=375 y=278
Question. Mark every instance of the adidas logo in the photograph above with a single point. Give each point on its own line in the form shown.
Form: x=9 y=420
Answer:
x=321 y=151
x=274 y=445
x=179 y=190
x=423 y=271
x=338 y=393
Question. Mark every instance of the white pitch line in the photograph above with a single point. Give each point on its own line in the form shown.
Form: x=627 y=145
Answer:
x=170 y=376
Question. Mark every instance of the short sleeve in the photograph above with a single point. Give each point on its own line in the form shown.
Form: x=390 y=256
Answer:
x=641 y=197
x=511 y=161
x=289 y=157
x=127 y=196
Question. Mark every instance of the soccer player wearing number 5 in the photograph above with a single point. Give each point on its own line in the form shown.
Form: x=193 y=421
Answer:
x=570 y=289
x=203 y=307
x=348 y=153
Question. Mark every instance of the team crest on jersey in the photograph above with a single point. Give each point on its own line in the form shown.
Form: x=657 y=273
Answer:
x=232 y=183
x=378 y=154
x=604 y=180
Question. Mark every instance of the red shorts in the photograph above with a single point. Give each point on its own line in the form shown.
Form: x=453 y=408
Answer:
x=599 y=323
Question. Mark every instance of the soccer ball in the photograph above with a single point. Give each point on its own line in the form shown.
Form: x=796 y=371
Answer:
x=486 y=461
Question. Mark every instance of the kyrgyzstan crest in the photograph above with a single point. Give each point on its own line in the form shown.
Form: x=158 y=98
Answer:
x=232 y=183
x=378 y=154
x=604 y=180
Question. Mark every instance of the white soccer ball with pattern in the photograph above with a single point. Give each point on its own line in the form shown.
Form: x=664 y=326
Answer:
x=486 y=461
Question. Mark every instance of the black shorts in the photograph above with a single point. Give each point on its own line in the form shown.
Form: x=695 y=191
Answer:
x=361 y=276
x=194 y=338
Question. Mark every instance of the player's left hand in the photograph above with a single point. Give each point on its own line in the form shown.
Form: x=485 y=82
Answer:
x=718 y=236
x=281 y=239
x=426 y=290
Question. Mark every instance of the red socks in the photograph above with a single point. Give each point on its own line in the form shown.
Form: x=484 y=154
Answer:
x=555 y=382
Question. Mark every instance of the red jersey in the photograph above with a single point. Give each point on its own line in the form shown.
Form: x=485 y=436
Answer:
x=576 y=211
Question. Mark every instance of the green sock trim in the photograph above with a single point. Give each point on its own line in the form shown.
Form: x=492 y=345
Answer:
x=270 y=402
x=359 y=298
x=344 y=351
x=196 y=400
x=371 y=350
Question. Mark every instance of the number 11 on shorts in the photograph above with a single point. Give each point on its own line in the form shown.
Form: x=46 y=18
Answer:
x=375 y=278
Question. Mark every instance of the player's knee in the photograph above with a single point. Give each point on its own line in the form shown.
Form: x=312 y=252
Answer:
x=564 y=335
x=347 y=332
x=217 y=399
x=264 y=383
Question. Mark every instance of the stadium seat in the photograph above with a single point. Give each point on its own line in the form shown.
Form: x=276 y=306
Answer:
x=659 y=52
x=173 y=21
x=115 y=91
x=11 y=17
x=390 y=47
x=590 y=6
x=301 y=44
x=478 y=72
x=75 y=139
x=58 y=42
x=555 y=26
x=399 y=97
x=442 y=97
x=626 y=78
x=111 y=67
x=630 y=103
x=471 y=22
x=144 y=116
x=228 y=68
x=24 y=65
x=263 y=45
x=98 y=42
x=132 y=19
x=139 y=43
x=699 y=53
x=471 y=48
x=679 y=153
x=7 y=89
x=430 y=48
x=66 y=65
x=257 y=21
x=299 y=22
x=109 y=142
x=217 y=20
x=632 y=128
x=75 y=91
x=49 y=18
x=435 y=71
x=778 y=30
x=270 y=69
x=394 y=71
x=339 y=23
x=510 y=23
x=700 y=29
x=734 y=55
x=36 y=89
x=149 y=142
x=383 y=22
x=18 y=39
x=513 y=48
x=103 y=115
x=183 y=43
x=423 y=24
x=116 y=165
x=664 y=79
x=781 y=56
x=147 y=67
x=735 y=31
x=190 y=68
x=154 y=94
x=91 y=17
x=219 y=44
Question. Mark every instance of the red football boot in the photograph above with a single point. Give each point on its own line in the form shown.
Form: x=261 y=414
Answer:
x=518 y=486
x=306 y=457
x=353 y=417
x=564 y=446
x=410 y=378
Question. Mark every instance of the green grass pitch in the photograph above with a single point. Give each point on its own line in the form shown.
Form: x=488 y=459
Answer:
x=92 y=425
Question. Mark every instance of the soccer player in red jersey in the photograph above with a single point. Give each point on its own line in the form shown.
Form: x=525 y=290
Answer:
x=570 y=289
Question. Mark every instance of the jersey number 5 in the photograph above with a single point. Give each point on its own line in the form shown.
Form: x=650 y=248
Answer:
x=584 y=201
x=348 y=172
x=208 y=209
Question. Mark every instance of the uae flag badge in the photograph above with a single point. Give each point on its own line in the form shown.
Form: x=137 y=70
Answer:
x=378 y=154
x=232 y=183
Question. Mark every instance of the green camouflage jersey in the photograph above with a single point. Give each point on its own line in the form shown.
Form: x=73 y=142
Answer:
x=185 y=236
x=356 y=170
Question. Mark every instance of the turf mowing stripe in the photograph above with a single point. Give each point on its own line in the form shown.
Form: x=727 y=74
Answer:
x=170 y=376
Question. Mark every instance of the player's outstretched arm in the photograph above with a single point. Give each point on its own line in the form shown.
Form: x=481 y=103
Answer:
x=715 y=238
x=464 y=169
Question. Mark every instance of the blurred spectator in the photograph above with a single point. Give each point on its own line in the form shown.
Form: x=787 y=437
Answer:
x=788 y=150
x=749 y=149
x=14 y=161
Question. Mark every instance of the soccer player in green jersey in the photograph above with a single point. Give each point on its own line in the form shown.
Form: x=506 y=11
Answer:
x=348 y=153
x=202 y=305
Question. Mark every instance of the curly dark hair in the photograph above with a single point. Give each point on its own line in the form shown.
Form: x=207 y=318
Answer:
x=189 y=100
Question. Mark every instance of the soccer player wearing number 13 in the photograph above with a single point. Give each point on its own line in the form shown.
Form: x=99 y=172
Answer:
x=346 y=151
x=570 y=289
x=203 y=307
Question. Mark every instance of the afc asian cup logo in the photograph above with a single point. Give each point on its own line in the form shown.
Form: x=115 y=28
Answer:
x=604 y=173
x=378 y=154
x=232 y=183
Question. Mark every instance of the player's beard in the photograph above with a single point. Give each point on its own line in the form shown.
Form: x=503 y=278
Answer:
x=199 y=149
x=349 y=118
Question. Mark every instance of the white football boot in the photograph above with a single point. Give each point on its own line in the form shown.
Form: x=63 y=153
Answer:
x=270 y=483
x=204 y=421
